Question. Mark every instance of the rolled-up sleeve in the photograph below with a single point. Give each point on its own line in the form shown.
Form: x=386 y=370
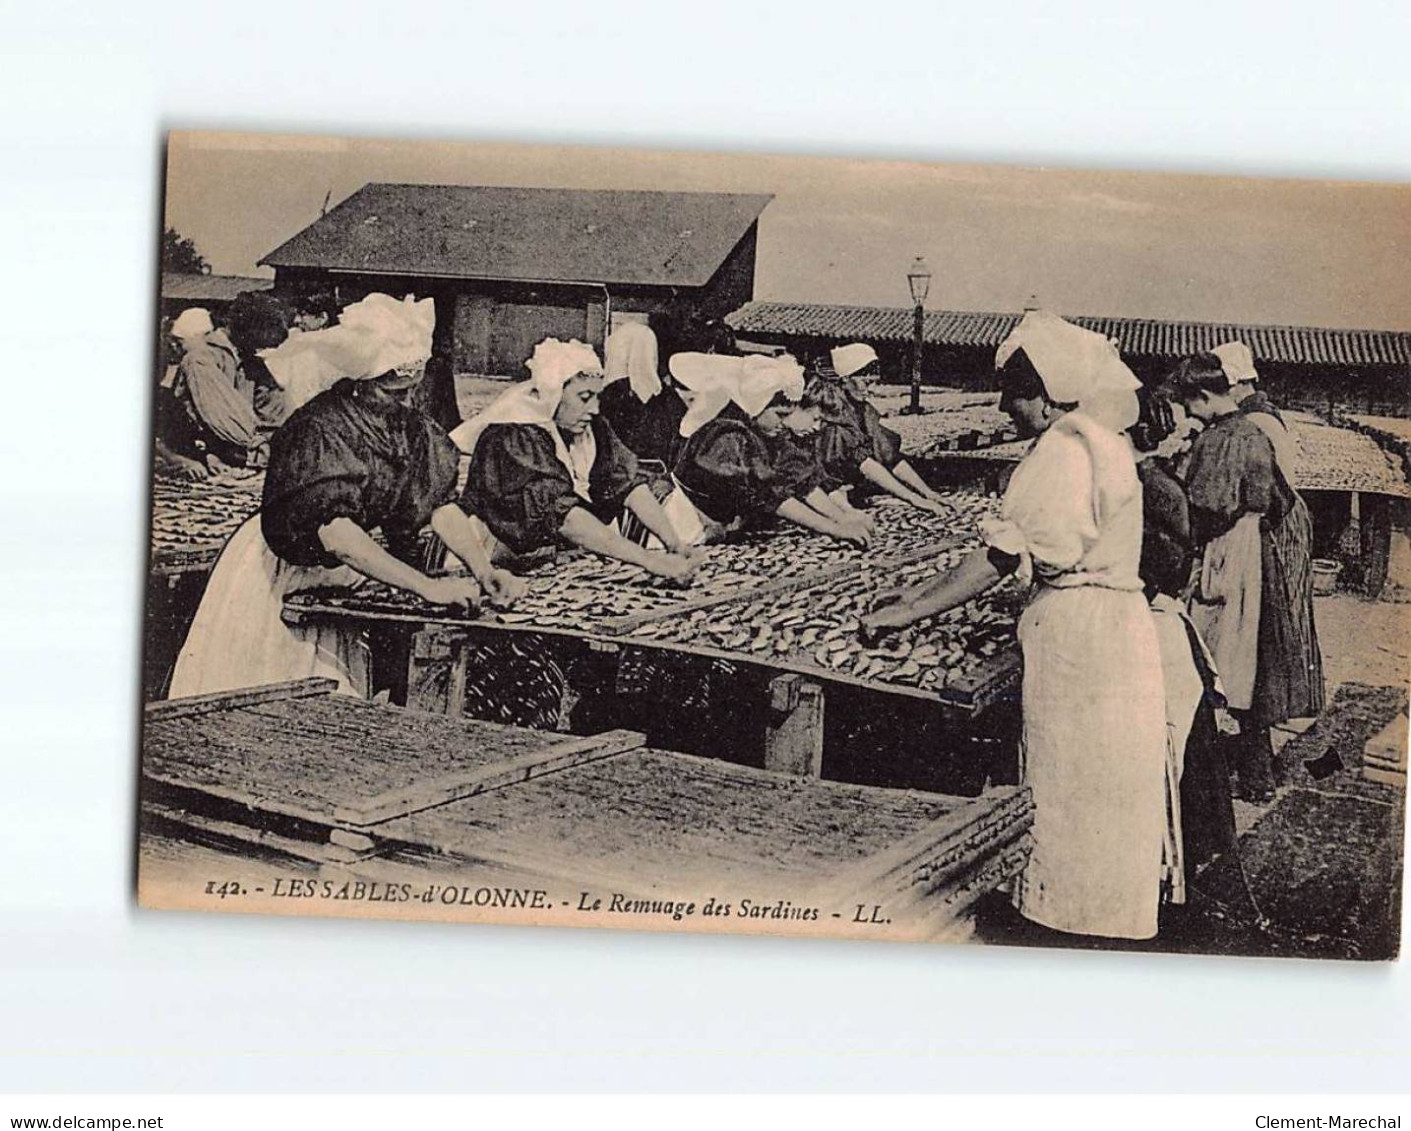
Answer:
x=518 y=487
x=1047 y=518
x=314 y=477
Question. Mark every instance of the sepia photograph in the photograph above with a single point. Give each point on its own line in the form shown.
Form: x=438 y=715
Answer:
x=668 y=541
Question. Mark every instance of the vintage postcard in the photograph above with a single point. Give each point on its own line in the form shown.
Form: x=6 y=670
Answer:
x=661 y=541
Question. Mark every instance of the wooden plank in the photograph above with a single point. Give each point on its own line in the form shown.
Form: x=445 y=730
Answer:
x=221 y=834
x=457 y=787
x=297 y=612
x=946 y=848
x=793 y=736
x=243 y=697
x=251 y=801
x=949 y=916
x=982 y=686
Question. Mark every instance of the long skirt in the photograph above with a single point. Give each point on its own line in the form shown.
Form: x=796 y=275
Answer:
x=1200 y=815
x=1290 y=683
x=1094 y=752
x=239 y=638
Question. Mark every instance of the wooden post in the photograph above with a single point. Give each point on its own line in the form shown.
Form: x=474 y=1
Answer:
x=793 y=736
x=1376 y=543
x=436 y=672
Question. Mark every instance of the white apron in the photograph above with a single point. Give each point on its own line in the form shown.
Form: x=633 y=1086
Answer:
x=1226 y=606
x=685 y=519
x=239 y=638
x=1094 y=741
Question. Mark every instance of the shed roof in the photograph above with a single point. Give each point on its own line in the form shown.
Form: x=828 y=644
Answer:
x=540 y=235
x=1138 y=337
x=182 y=287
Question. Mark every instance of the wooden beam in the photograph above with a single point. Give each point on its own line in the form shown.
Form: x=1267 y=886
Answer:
x=793 y=736
x=436 y=672
x=457 y=787
x=243 y=697
x=219 y=833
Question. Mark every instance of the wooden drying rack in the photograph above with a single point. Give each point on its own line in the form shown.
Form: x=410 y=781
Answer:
x=440 y=642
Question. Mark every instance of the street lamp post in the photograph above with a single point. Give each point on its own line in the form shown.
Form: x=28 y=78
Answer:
x=919 y=280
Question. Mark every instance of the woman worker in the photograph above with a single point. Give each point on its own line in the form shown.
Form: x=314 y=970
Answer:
x=545 y=466
x=1249 y=602
x=741 y=462
x=644 y=412
x=1094 y=728
x=1201 y=818
x=854 y=445
x=352 y=460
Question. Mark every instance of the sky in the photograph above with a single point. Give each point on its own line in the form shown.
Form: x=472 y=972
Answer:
x=1281 y=252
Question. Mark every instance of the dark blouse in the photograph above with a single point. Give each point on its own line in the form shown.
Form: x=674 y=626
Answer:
x=1232 y=472
x=521 y=491
x=850 y=432
x=651 y=430
x=885 y=444
x=730 y=470
x=347 y=454
x=1166 y=530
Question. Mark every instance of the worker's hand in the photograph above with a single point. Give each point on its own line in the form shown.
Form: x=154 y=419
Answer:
x=855 y=533
x=191 y=469
x=885 y=598
x=873 y=627
x=455 y=592
x=675 y=568
x=864 y=518
x=1226 y=723
x=935 y=507
x=504 y=588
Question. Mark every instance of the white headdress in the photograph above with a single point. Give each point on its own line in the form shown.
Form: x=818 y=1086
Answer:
x=631 y=352
x=1077 y=366
x=535 y=401
x=848 y=360
x=710 y=381
x=375 y=336
x=714 y=380
x=764 y=378
x=193 y=322
x=1237 y=360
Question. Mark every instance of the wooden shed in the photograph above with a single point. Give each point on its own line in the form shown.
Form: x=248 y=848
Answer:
x=509 y=267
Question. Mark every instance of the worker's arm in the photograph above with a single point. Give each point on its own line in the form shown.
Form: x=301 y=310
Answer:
x=908 y=475
x=353 y=546
x=583 y=529
x=826 y=505
x=874 y=472
x=977 y=572
x=459 y=534
x=800 y=513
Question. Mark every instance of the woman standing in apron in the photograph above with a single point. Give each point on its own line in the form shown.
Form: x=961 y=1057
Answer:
x=354 y=459
x=1201 y=818
x=1094 y=725
x=1249 y=603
